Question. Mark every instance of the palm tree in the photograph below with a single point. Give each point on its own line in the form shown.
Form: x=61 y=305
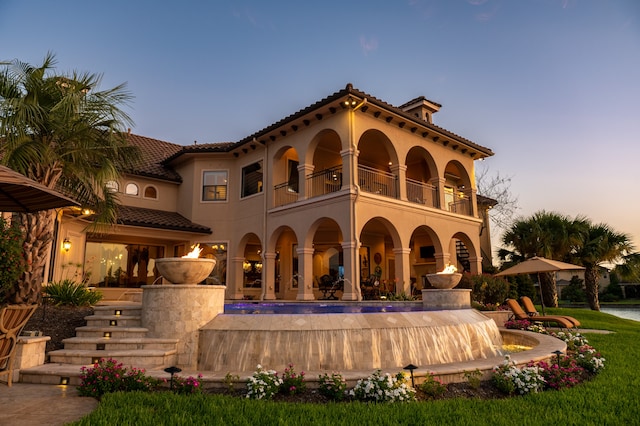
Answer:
x=600 y=244
x=61 y=131
x=544 y=234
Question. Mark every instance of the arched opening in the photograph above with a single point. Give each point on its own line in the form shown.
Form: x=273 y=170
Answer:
x=376 y=162
x=457 y=189
x=378 y=278
x=327 y=164
x=285 y=173
x=421 y=171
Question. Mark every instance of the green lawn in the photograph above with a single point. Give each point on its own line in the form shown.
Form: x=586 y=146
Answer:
x=611 y=398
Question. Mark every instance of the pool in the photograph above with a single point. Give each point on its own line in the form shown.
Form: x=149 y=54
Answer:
x=320 y=308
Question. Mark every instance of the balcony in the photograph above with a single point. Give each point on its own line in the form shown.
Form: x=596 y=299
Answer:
x=324 y=182
x=284 y=193
x=460 y=205
x=422 y=193
x=377 y=182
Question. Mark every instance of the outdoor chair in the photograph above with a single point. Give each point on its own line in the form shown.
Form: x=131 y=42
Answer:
x=531 y=310
x=13 y=318
x=520 y=314
x=329 y=287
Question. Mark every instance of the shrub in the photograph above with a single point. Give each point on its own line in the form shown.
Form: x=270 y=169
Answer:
x=432 y=386
x=573 y=341
x=517 y=324
x=11 y=259
x=474 y=378
x=564 y=374
x=508 y=378
x=230 y=381
x=187 y=386
x=574 y=292
x=263 y=384
x=383 y=388
x=108 y=376
x=488 y=290
x=69 y=292
x=332 y=386
x=292 y=382
x=590 y=359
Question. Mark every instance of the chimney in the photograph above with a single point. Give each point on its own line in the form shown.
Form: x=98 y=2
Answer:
x=422 y=108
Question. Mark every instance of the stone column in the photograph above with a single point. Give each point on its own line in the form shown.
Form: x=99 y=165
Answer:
x=351 y=271
x=305 y=274
x=268 y=277
x=403 y=270
x=178 y=311
x=303 y=171
x=400 y=170
x=236 y=278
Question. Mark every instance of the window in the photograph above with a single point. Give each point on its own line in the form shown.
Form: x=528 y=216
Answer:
x=112 y=186
x=214 y=186
x=293 y=176
x=150 y=192
x=132 y=189
x=252 y=179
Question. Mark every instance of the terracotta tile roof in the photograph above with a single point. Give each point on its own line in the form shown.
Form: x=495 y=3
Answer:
x=201 y=148
x=158 y=219
x=154 y=151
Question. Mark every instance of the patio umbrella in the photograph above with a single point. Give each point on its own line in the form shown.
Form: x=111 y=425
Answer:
x=23 y=195
x=537 y=265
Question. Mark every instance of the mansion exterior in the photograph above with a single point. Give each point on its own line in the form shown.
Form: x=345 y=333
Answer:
x=348 y=192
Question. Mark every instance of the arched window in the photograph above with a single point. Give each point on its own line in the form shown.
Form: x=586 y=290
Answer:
x=132 y=189
x=150 y=192
x=113 y=186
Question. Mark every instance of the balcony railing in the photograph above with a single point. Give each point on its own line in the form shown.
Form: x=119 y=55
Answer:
x=377 y=182
x=422 y=193
x=461 y=205
x=324 y=182
x=284 y=194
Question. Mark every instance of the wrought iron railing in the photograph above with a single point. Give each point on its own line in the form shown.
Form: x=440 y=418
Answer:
x=377 y=182
x=283 y=194
x=324 y=182
x=422 y=193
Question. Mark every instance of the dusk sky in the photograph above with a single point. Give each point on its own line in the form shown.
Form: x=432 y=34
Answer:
x=551 y=86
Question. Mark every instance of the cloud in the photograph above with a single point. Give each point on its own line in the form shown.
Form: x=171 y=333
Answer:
x=368 y=44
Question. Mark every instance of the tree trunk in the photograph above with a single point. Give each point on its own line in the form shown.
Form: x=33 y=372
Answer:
x=591 y=285
x=37 y=229
x=549 y=290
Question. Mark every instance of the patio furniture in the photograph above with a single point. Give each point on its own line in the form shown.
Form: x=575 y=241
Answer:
x=520 y=314
x=531 y=310
x=328 y=286
x=13 y=318
x=371 y=288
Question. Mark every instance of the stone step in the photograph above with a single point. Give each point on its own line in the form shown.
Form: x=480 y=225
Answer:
x=108 y=344
x=114 y=332
x=124 y=310
x=113 y=321
x=143 y=358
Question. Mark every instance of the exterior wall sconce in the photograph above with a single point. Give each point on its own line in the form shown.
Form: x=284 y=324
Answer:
x=66 y=245
x=259 y=266
x=246 y=266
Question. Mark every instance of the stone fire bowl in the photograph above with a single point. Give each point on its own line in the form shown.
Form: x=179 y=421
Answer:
x=444 y=281
x=181 y=270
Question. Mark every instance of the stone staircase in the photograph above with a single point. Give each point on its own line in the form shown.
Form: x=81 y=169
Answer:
x=113 y=331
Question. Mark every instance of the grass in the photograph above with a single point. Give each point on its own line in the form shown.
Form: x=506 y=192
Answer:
x=610 y=398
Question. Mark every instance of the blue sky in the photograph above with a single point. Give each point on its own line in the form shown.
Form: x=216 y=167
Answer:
x=551 y=86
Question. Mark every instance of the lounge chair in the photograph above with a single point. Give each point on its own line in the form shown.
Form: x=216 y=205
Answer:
x=13 y=318
x=519 y=314
x=531 y=310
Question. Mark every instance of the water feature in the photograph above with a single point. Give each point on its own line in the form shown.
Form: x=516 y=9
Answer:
x=346 y=341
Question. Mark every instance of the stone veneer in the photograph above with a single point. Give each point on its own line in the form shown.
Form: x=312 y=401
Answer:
x=30 y=352
x=178 y=311
x=438 y=299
